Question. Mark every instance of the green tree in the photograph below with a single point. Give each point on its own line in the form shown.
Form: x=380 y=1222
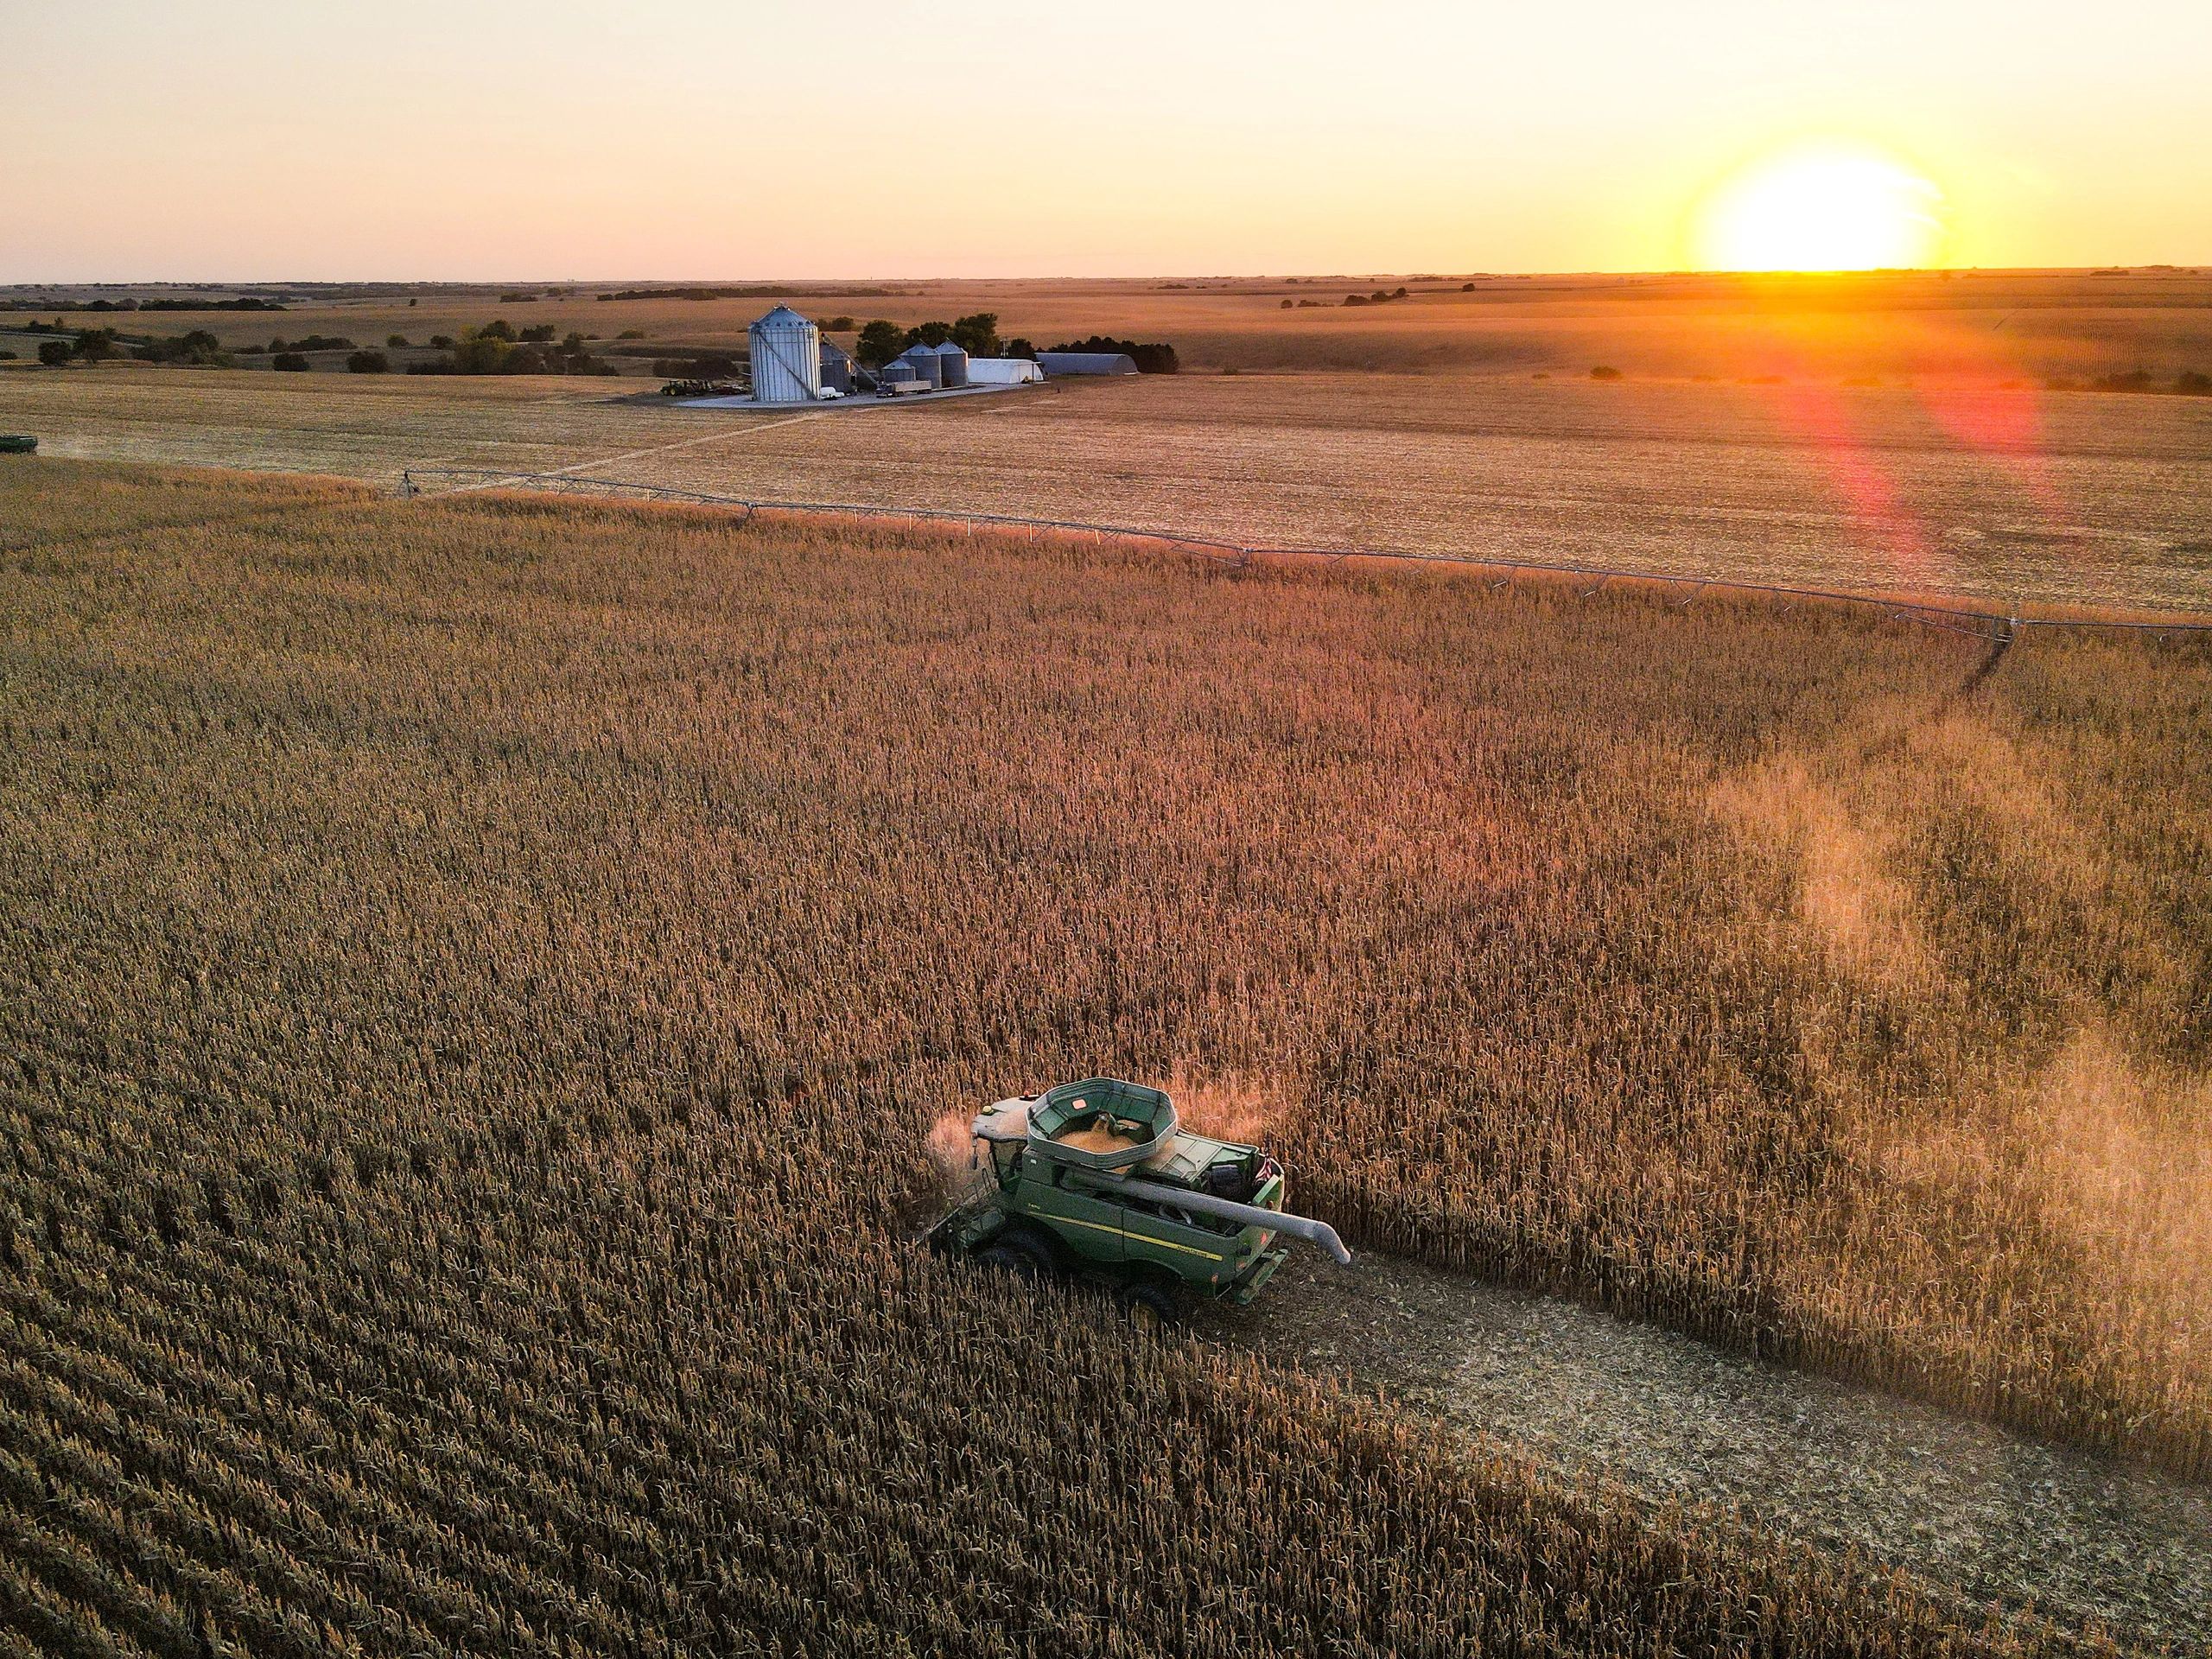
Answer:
x=483 y=352
x=54 y=352
x=977 y=334
x=97 y=345
x=878 y=343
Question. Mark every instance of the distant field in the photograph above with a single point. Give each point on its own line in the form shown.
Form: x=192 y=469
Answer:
x=1962 y=488
x=1981 y=327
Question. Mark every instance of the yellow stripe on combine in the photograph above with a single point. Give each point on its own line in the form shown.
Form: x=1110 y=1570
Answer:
x=1142 y=1238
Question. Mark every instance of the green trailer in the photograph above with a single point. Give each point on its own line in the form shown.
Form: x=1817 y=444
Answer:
x=1097 y=1180
x=17 y=443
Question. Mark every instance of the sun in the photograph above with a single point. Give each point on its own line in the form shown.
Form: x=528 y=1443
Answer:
x=1824 y=206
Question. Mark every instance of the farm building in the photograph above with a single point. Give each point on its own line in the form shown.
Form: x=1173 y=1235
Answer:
x=794 y=363
x=836 y=369
x=1086 y=362
x=928 y=366
x=786 y=352
x=952 y=364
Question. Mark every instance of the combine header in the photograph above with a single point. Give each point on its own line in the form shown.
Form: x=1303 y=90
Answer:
x=1096 y=1179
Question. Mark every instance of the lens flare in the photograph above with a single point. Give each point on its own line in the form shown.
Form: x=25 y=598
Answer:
x=1827 y=206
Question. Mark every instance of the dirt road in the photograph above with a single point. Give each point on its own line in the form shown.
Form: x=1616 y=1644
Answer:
x=1966 y=1507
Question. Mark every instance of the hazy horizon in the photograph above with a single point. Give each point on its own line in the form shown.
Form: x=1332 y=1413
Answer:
x=816 y=282
x=990 y=141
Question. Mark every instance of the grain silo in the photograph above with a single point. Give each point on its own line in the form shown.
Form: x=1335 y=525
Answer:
x=786 y=358
x=928 y=367
x=952 y=365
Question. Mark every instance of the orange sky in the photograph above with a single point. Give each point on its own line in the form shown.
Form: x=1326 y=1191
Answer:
x=704 y=139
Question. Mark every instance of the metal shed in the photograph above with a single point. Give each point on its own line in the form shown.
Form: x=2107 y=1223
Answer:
x=1086 y=362
x=836 y=368
x=1001 y=371
x=786 y=352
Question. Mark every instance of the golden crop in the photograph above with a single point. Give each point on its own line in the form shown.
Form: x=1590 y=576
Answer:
x=2011 y=496
x=478 y=979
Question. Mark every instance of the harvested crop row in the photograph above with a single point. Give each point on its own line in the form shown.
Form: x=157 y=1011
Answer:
x=480 y=980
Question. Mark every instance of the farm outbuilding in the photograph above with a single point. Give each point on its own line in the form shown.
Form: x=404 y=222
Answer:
x=951 y=364
x=786 y=351
x=928 y=367
x=1002 y=370
x=1086 y=362
x=836 y=368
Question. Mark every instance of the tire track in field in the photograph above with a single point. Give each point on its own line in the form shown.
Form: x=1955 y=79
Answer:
x=1977 y=1513
x=745 y=431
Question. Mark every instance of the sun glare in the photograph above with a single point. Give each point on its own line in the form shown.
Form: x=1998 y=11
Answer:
x=1824 y=207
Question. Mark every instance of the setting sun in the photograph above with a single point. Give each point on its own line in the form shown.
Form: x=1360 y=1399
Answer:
x=1824 y=207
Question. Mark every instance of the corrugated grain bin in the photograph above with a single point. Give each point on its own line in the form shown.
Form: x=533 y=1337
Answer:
x=927 y=366
x=786 y=351
x=952 y=365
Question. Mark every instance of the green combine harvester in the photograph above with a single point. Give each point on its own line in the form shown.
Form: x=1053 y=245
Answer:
x=17 y=443
x=1096 y=1180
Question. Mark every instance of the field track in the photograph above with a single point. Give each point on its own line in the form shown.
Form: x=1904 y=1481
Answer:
x=1676 y=1420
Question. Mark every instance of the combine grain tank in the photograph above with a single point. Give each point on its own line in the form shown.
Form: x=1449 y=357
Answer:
x=786 y=358
x=1098 y=1180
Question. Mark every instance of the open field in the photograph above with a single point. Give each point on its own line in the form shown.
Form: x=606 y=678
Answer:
x=484 y=975
x=2017 y=496
x=1980 y=327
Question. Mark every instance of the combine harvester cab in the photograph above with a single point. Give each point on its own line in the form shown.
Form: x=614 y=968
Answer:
x=1097 y=1180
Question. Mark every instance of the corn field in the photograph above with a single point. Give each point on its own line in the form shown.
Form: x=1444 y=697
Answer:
x=480 y=979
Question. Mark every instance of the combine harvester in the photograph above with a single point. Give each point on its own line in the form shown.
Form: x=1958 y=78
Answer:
x=1097 y=1180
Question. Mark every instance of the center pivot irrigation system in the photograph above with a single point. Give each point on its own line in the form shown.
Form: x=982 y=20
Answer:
x=2000 y=627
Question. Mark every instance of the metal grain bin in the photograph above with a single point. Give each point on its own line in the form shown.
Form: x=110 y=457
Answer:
x=927 y=365
x=952 y=365
x=786 y=358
